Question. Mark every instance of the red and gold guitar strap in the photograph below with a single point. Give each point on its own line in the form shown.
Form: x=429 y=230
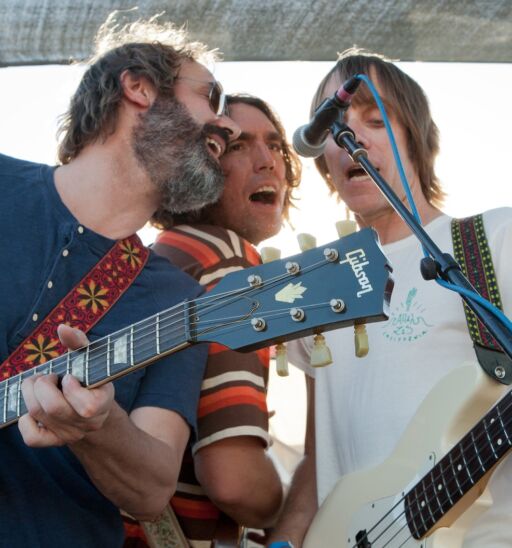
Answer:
x=82 y=307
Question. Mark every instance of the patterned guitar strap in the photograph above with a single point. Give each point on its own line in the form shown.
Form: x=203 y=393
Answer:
x=82 y=307
x=472 y=252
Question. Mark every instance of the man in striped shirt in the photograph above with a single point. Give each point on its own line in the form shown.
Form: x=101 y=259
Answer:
x=227 y=478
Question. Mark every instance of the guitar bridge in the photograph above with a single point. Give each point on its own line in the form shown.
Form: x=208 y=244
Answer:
x=362 y=540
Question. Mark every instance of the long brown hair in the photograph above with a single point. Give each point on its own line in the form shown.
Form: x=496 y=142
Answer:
x=146 y=48
x=408 y=103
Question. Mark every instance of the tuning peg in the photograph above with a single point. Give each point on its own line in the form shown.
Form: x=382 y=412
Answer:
x=361 y=343
x=361 y=340
x=320 y=354
x=306 y=241
x=281 y=360
x=344 y=228
x=269 y=254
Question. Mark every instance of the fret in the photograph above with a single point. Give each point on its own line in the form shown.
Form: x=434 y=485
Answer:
x=445 y=485
x=477 y=452
x=97 y=361
x=18 y=397
x=77 y=365
x=86 y=365
x=157 y=331
x=503 y=426
x=68 y=363
x=6 y=392
x=466 y=467
x=131 y=346
x=456 y=468
x=108 y=356
x=120 y=353
x=436 y=489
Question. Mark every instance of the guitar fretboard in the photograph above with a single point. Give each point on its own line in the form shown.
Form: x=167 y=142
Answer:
x=107 y=358
x=460 y=469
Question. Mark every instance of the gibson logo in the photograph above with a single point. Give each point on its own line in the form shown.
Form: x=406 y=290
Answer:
x=357 y=261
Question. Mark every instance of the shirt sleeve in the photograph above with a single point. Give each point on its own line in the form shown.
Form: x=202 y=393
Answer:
x=233 y=393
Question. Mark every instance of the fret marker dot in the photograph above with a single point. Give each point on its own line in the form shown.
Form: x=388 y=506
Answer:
x=499 y=441
x=439 y=487
x=492 y=420
x=423 y=504
x=65 y=253
x=459 y=467
x=35 y=317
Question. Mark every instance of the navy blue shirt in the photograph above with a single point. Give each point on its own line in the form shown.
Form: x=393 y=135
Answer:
x=46 y=498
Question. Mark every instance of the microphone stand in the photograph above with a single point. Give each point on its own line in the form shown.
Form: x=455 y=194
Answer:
x=439 y=263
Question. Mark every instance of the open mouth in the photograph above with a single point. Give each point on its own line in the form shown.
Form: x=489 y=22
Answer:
x=357 y=173
x=265 y=195
x=215 y=147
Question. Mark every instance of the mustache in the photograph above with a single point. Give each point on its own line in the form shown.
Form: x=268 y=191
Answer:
x=223 y=133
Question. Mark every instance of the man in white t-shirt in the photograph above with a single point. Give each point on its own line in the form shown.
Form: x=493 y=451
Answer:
x=358 y=409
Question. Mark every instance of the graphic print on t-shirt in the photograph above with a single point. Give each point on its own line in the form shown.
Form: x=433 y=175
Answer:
x=407 y=322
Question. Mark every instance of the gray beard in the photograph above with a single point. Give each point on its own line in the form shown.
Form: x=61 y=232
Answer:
x=171 y=147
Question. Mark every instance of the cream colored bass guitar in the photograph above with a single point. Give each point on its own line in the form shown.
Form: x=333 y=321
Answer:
x=434 y=484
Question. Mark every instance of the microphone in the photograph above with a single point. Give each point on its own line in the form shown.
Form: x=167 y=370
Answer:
x=309 y=140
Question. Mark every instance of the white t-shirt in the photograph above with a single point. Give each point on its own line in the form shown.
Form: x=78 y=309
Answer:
x=363 y=405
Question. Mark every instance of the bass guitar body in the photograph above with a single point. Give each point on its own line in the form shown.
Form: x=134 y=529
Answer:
x=368 y=508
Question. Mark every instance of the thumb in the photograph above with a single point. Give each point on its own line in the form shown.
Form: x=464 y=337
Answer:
x=71 y=337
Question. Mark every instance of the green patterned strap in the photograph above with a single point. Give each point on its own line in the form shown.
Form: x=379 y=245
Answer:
x=472 y=252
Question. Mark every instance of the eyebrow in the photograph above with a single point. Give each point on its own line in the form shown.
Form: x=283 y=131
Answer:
x=270 y=136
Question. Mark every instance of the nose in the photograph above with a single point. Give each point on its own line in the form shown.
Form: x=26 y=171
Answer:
x=263 y=158
x=229 y=125
x=360 y=132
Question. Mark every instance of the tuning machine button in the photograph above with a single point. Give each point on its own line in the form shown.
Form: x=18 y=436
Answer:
x=320 y=353
x=306 y=241
x=269 y=254
x=361 y=344
x=281 y=360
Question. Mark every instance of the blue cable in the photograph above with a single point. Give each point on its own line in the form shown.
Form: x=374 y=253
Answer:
x=452 y=287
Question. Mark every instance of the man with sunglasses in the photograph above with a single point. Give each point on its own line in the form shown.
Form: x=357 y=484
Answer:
x=227 y=478
x=144 y=132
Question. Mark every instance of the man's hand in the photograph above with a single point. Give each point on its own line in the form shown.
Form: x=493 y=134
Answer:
x=58 y=417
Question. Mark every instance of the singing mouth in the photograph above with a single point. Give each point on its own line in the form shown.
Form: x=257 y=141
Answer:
x=266 y=195
x=357 y=173
x=215 y=147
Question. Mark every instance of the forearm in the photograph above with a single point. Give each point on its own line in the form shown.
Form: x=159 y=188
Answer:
x=133 y=469
x=300 y=505
x=257 y=499
x=240 y=479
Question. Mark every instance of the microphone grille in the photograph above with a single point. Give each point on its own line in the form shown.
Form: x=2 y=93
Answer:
x=303 y=147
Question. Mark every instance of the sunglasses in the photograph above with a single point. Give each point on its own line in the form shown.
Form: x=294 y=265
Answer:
x=216 y=95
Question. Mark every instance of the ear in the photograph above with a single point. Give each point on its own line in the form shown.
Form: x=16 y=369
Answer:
x=137 y=89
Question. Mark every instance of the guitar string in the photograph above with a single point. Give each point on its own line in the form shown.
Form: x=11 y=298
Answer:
x=465 y=483
x=168 y=314
x=148 y=324
x=59 y=364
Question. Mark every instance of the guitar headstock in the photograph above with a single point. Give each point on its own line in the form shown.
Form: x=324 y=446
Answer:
x=344 y=282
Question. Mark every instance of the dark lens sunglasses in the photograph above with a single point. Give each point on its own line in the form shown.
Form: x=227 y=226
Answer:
x=216 y=95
